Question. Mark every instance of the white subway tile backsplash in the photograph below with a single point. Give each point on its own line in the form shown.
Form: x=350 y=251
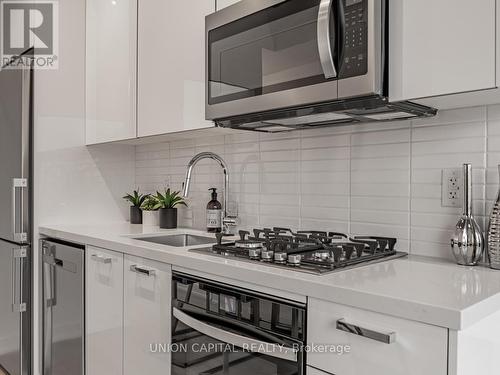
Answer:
x=282 y=144
x=380 y=190
x=326 y=141
x=380 y=151
x=334 y=153
x=394 y=163
x=494 y=127
x=380 y=137
x=449 y=131
x=327 y=201
x=378 y=178
x=324 y=213
x=380 y=203
x=452 y=146
x=440 y=161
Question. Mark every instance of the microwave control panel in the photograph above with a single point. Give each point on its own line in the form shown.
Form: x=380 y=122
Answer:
x=355 y=45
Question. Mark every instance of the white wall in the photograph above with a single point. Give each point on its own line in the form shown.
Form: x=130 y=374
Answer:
x=380 y=178
x=73 y=183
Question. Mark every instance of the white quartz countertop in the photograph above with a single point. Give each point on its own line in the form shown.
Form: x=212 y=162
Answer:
x=427 y=290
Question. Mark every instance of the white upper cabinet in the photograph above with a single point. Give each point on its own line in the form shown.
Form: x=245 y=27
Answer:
x=171 y=66
x=111 y=70
x=225 y=3
x=440 y=47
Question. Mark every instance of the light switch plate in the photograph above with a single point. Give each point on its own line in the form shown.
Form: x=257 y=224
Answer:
x=452 y=184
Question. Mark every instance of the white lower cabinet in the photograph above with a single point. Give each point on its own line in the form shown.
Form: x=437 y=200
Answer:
x=416 y=348
x=104 y=312
x=147 y=311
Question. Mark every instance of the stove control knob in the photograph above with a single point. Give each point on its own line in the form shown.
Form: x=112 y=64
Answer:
x=254 y=253
x=267 y=255
x=294 y=260
x=280 y=257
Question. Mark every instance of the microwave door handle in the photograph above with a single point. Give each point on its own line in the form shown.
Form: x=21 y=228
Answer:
x=249 y=344
x=324 y=42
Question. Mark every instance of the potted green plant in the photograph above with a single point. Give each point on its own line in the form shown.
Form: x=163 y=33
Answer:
x=136 y=200
x=167 y=205
x=149 y=208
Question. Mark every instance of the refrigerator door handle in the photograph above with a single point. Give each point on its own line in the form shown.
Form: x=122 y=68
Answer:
x=18 y=256
x=18 y=184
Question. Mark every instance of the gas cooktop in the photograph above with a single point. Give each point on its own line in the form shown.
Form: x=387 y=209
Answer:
x=314 y=252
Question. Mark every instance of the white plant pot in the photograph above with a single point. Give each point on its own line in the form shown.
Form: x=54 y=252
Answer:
x=150 y=218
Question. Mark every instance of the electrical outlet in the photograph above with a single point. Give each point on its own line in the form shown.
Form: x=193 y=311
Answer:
x=452 y=187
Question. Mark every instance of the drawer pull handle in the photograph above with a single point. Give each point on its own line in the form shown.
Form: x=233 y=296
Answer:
x=101 y=259
x=142 y=270
x=386 y=338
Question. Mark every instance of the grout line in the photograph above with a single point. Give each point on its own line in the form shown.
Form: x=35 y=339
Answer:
x=349 y=200
x=259 y=206
x=486 y=160
x=300 y=181
x=410 y=205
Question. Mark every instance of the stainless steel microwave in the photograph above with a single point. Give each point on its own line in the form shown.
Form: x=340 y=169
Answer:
x=275 y=65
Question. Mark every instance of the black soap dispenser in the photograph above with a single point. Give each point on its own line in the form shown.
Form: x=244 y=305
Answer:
x=214 y=214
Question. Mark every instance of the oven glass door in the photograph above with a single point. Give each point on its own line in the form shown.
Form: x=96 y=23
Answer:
x=290 y=45
x=217 y=331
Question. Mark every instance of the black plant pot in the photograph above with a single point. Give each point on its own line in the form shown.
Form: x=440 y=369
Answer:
x=168 y=218
x=135 y=215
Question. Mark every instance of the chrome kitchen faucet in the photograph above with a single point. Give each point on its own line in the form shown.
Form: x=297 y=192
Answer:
x=228 y=222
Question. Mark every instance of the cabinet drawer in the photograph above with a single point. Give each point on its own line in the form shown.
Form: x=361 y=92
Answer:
x=104 y=307
x=147 y=301
x=378 y=344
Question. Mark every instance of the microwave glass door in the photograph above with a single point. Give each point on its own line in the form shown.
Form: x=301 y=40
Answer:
x=272 y=50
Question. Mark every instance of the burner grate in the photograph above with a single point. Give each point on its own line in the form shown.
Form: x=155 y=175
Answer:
x=309 y=251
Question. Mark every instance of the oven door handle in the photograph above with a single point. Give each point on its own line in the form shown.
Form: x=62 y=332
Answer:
x=324 y=42
x=246 y=343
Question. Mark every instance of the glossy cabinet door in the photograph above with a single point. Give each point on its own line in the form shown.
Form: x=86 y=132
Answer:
x=171 y=66
x=111 y=70
x=225 y=3
x=147 y=316
x=441 y=47
x=370 y=343
x=104 y=312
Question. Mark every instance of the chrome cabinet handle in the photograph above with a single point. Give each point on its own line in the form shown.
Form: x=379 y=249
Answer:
x=324 y=43
x=50 y=303
x=386 y=338
x=17 y=183
x=49 y=282
x=143 y=271
x=101 y=259
x=256 y=346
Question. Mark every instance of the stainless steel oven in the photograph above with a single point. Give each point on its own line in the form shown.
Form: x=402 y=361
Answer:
x=293 y=62
x=220 y=329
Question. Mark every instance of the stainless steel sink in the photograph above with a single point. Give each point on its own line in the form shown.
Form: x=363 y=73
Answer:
x=179 y=240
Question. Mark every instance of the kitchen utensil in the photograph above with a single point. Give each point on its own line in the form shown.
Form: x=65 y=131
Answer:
x=494 y=234
x=467 y=243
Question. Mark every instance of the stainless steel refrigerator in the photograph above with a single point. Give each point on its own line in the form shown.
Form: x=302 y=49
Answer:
x=16 y=228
